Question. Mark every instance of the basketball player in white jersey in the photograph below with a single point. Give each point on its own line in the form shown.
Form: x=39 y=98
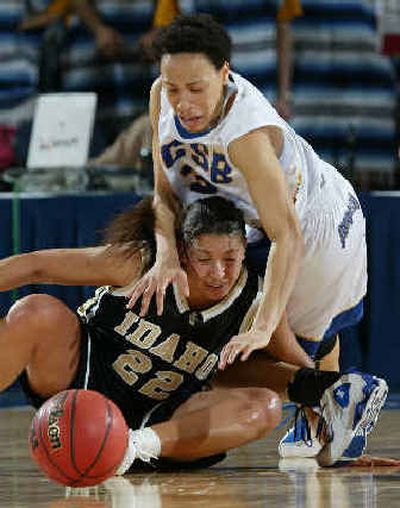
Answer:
x=160 y=370
x=215 y=133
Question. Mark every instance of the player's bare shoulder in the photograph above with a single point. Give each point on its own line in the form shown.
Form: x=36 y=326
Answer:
x=258 y=138
x=155 y=101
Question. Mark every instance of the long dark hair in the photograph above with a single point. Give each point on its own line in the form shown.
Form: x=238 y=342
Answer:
x=133 y=230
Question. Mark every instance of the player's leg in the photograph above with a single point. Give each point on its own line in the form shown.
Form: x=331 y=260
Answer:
x=218 y=420
x=42 y=335
x=330 y=285
x=350 y=403
x=213 y=422
x=329 y=360
x=207 y=424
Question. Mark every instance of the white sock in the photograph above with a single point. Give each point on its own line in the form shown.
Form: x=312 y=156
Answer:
x=143 y=444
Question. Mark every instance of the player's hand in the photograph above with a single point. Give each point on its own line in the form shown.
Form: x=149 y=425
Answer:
x=373 y=461
x=155 y=283
x=243 y=344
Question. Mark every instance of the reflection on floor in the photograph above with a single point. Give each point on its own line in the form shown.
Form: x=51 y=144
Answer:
x=251 y=476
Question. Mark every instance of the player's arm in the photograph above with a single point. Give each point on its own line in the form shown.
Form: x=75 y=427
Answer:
x=167 y=267
x=255 y=155
x=165 y=203
x=94 y=266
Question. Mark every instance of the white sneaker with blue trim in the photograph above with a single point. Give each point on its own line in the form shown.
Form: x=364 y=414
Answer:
x=294 y=444
x=350 y=409
x=300 y=441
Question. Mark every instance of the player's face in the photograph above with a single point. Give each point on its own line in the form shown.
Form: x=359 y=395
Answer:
x=213 y=264
x=194 y=88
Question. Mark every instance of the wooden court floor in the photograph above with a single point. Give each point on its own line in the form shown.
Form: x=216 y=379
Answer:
x=250 y=477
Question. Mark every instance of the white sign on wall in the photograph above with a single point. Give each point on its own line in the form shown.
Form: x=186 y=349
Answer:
x=61 y=131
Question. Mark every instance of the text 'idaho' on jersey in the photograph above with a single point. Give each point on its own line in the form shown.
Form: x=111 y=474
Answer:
x=154 y=357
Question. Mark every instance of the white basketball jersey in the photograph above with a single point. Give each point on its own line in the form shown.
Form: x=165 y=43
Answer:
x=330 y=215
x=198 y=164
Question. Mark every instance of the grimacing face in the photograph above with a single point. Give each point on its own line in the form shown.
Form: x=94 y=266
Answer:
x=213 y=264
x=194 y=88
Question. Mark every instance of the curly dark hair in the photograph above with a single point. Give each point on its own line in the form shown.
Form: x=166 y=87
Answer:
x=134 y=229
x=198 y=33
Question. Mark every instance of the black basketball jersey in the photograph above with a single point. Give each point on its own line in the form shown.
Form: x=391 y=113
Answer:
x=140 y=362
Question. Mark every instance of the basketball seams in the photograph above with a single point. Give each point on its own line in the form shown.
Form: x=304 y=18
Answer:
x=66 y=467
x=104 y=440
x=86 y=472
x=110 y=421
x=72 y=432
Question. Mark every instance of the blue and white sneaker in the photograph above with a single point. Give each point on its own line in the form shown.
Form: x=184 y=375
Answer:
x=356 y=447
x=300 y=441
x=350 y=408
x=295 y=444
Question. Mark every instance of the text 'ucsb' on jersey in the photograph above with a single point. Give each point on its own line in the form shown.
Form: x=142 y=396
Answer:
x=151 y=358
x=190 y=158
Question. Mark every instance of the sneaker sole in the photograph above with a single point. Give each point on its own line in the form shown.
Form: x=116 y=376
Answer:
x=301 y=450
x=367 y=423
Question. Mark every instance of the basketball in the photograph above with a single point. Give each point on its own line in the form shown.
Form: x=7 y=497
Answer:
x=78 y=438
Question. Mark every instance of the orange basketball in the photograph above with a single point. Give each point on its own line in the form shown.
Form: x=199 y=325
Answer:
x=78 y=438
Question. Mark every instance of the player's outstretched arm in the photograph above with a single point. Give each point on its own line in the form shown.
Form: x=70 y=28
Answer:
x=167 y=268
x=87 y=266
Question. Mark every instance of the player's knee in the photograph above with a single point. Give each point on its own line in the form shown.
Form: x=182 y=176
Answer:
x=36 y=311
x=263 y=411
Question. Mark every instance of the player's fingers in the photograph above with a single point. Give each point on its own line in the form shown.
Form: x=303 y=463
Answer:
x=221 y=363
x=136 y=293
x=160 y=295
x=146 y=299
x=246 y=352
x=223 y=356
x=182 y=283
x=235 y=350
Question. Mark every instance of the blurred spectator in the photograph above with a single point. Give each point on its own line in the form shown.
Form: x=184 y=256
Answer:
x=53 y=18
x=342 y=96
x=135 y=141
x=132 y=148
x=109 y=40
x=45 y=14
x=288 y=11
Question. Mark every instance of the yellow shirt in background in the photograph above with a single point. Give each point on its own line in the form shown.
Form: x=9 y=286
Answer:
x=166 y=10
x=289 y=10
x=59 y=7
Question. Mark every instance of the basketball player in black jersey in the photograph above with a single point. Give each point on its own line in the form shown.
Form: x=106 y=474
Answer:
x=159 y=369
